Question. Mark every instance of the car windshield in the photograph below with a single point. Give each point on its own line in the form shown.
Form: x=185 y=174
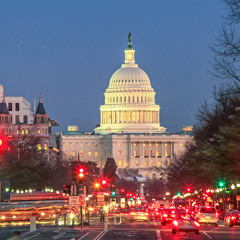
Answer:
x=207 y=210
x=185 y=217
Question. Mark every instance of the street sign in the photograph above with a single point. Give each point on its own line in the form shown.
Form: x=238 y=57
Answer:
x=74 y=210
x=81 y=201
x=73 y=201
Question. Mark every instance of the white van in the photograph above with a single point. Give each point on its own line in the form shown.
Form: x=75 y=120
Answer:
x=208 y=214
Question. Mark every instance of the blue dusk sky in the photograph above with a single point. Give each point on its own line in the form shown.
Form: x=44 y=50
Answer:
x=68 y=50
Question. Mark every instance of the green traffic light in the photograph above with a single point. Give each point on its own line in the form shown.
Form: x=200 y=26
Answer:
x=221 y=184
x=113 y=193
x=178 y=194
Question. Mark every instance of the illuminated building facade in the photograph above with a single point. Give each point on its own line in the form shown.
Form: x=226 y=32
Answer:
x=130 y=130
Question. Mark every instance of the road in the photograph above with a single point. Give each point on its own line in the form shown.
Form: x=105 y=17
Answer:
x=123 y=231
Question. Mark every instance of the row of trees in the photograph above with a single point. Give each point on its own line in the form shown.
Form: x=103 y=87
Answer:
x=215 y=151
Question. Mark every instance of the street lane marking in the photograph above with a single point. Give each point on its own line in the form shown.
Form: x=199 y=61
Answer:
x=32 y=236
x=102 y=235
x=59 y=235
x=207 y=235
x=97 y=237
x=84 y=236
x=159 y=235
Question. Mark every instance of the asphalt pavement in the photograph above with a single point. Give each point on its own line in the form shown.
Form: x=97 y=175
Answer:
x=123 y=231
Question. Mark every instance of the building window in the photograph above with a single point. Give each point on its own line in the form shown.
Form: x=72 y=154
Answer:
x=144 y=153
x=17 y=106
x=150 y=153
x=46 y=131
x=120 y=163
x=25 y=119
x=144 y=144
x=157 y=144
x=39 y=146
x=157 y=153
x=146 y=163
x=150 y=144
x=166 y=153
x=45 y=146
x=135 y=153
x=81 y=145
x=74 y=154
x=67 y=154
x=81 y=153
x=154 y=176
x=39 y=132
x=168 y=162
x=27 y=131
x=67 y=145
x=23 y=131
x=181 y=153
x=146 y=175
x=119 y=153
x=17 y=120
x=9 y=106
x=166 y=145
x=181 y=144
x=119 y=144
x=135 y=144
x=90 y=154
x=96 y=145
x=152 y=162
x=137 y=163
x=89 y=144
x=74 y=145
x=159 y=163
x=96 y=154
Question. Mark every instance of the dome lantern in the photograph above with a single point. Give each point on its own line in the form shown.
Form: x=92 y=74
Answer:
x=129 y=54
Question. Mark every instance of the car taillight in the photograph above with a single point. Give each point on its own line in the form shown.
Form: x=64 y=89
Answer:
x=175 y=223
x=198 y=213
x=173 y=215
x=165 y=215
x=216 y=214
x=196 y=223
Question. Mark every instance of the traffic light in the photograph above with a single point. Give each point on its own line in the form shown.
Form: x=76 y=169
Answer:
x=67 y=189
x=113 y=193
x=80 y=189
x=81 y=174
x=104 y=182
x=97 y=185
x=122 y=191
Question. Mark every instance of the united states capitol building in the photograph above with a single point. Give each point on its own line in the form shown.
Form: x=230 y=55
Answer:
x=130 y=129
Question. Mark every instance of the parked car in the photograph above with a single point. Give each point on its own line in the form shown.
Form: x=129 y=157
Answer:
x=232 y=218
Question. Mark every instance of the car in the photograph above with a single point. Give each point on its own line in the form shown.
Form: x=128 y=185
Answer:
x=208 y=214
x=232 y=218
x=167 y=215
x=136 y=215
x=158 y=212
x=185 y=222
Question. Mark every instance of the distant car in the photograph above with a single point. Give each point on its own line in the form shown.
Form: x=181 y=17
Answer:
x=158 y=212
x=208 y=214
x=232 y=218
x=136 y=215
x=185 y=222
x=167 y=216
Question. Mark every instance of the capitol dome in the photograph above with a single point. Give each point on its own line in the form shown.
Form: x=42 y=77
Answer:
x=129 y=101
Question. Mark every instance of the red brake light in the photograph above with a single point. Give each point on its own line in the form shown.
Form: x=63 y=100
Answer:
x=175 y=223
x=165 y=215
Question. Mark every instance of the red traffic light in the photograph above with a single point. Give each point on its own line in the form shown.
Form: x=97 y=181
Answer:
x=188 y=189
x=104 y=182
x=122 y=190
x=81 y=172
